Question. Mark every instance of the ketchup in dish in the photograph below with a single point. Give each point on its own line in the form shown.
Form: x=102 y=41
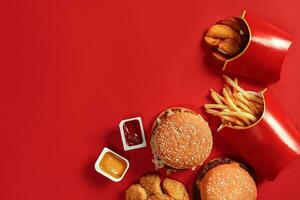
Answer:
x=132 y=132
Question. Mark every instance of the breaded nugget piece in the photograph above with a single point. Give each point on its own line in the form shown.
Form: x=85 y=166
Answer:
x=151 y=183
x=160 y=197
x=175 y=189
x=136 y=192
x=212 y=42
x=229 y=47
x=221 y=31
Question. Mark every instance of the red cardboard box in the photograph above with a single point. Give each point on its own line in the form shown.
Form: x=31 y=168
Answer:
x=269 y=144
x=263 y=56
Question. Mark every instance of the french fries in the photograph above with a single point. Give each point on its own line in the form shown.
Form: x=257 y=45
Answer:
x=236 y=107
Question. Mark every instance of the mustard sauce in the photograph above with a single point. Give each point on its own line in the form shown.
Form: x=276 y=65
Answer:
x=112 y=165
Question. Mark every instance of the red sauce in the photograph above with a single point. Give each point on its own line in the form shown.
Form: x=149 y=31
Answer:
x=133 y=133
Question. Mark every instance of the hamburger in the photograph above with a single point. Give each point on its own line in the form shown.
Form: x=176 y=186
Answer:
x=181 y=139
x=225 y=179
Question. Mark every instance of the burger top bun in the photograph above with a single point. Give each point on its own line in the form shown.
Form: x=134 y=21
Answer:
x=227 y=181
x=181 y=138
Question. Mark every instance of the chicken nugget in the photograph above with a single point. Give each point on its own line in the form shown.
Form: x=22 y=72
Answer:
x=151 y=183
x=229 y=47
x=160 y=197
x=221 y=31
x=175 y=189
x=136 y=192
x=212 y=42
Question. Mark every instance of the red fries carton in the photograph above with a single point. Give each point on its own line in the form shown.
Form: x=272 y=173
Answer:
x=269 y=144
x=263 y=56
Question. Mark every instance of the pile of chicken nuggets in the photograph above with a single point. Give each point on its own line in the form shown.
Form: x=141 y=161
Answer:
x=227 y=38
x=151 y=188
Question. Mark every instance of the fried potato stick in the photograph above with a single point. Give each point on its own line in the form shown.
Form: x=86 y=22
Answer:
x=229 y=100
x=248 y=103
x=230 y=82
x=258 y=106
x=230 y=119
x=216 y=106
x=248 y=95
x=221 y=127
x=230 y=93
x=233 y=120
x=231 y=113
x=216 y=97
x=255 y=98
x=236 y=82
x=244 y=107
x=233 y=106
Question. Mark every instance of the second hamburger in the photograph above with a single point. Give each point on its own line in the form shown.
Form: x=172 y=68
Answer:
x=181 y=139
x=225 y=179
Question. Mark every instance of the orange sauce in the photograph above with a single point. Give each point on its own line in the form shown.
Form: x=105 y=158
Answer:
x=113 y=165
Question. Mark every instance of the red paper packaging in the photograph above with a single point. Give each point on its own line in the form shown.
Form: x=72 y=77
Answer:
x=263 y=56
x=273 y=141
x=269 y=144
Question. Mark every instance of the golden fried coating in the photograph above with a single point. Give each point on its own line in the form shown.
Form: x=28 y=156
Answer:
x=212 y=42
x=221 y=31
x=151 y=183
x=160 y=197
x=136 y=192
x=229 y=47
x=175 y=189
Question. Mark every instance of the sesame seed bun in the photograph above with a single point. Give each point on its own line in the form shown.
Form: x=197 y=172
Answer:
x=181 y=138
x=224 y=178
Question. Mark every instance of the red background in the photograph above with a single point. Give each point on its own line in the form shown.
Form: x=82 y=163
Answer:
x=71 y=70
